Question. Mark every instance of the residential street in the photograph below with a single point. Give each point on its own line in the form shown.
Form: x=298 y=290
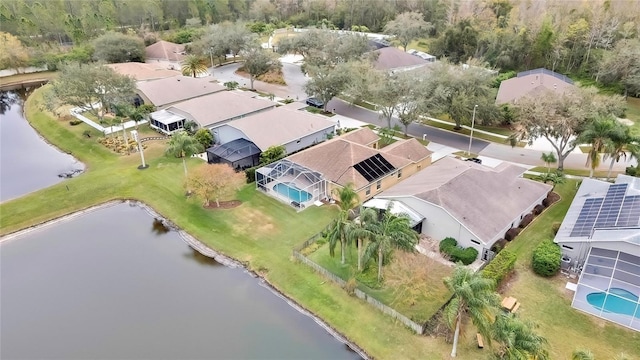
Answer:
x=295 y=90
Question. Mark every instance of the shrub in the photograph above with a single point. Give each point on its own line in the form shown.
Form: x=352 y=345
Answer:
x=538 y=209
x=512 y=233
x=631 y=170
x=500 y=266
x=526 y=220
x=499 y=245
x=446 y=244
x=450 y=247
x=251 y=174
x=86 y=133
x=546 y=258
x=555 y=227
x=75 y=122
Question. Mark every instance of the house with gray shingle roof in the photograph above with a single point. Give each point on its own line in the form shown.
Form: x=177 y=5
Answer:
x=471 y=203
x=168 y=91
x=313 y=174
x=165 y=51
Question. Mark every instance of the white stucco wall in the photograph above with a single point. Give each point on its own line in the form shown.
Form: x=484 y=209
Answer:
x=225 y=133
x=306 y=141
x=439 y=224
x=578 y=251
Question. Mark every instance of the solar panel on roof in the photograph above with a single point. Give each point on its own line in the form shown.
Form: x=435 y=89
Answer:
x=374 y=167
x=611 y=206
x=587 y=217
x=630 y=212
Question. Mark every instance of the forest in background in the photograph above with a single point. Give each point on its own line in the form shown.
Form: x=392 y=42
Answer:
x=577 y=38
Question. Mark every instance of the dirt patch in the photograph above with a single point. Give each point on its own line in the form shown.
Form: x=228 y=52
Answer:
x=252 y=221
x=223 y=205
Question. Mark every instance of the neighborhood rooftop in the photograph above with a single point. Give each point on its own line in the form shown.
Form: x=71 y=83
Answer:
x=482 y=198
x=178 y=88
x=280 y=126
x=342 y=162
x=532 y=83
x=165 y=50
x=142 y=71
x=390 y=58
x=219 y=107
x=604 y=211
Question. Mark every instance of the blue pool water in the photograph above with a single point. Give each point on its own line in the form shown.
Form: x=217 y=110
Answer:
x=292 y=192
x=619 y=301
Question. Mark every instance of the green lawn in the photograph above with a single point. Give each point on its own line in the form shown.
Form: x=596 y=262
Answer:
x=546 y=302
x=633 y=112
x=262 y=232
x=578 y=172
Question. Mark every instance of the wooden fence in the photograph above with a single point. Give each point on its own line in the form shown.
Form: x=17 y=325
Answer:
x=417 y=328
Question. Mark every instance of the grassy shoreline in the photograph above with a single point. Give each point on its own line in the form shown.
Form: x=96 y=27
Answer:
x=261 y=233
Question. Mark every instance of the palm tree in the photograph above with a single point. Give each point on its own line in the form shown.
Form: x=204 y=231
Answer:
x=386 y=233
x=472 y=295
x=622 y=142
x=194 y=65
x=348 y=198
x=182 y=145
x=555 y=178
x=582 y=354
x=549 y=159
x=598 y=133
x=517 y=340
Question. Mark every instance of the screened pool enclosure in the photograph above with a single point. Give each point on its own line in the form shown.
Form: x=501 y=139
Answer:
x=609 y=287
x=291 y=183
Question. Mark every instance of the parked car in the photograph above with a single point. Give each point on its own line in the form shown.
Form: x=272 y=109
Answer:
x=475 y=160
x=315 y=102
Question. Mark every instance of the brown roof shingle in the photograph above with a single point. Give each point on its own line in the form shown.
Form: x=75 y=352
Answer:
x=167 y=91
x=390 y=58
x=143 y=71
x=483 y=199
x=165 y=50
x=280 y=126
x=222 y=106
x=410 y=149
x=362 y=136
x=530 y=85
x=335 y=159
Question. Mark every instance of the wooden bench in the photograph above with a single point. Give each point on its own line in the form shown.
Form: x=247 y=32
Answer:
x=515 y=307
x=480 y=341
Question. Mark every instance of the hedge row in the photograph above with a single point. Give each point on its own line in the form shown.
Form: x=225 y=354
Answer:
x=546 y=258
x=500 y=266
x=455 y=253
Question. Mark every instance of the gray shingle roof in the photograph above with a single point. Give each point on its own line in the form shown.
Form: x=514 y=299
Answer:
x=165 y=50
x=390 y=58
x=143 y=71
x=530 y=85
x=485 y=200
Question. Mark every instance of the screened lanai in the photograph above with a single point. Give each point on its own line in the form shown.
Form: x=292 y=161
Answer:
x=609 y=287
x=239 y=154
x=291 y=183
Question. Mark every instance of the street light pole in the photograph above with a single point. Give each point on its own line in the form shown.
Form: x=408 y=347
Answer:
x=134 y=134
x=211 y=55
x=473 y=123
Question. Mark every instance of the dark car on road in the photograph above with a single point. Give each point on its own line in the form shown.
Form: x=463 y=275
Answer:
x=315 y=102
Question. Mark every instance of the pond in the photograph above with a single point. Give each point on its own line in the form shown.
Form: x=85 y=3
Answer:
x=114 y=283
x=27 y=162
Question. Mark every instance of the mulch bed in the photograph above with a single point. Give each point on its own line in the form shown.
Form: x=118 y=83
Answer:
x=223 y=205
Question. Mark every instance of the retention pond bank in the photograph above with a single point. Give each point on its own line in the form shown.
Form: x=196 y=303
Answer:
x=114 y=283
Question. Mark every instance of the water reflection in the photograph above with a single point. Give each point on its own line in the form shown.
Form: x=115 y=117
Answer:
x=158 y=227
x=119 y=293
x=28 y=163
x=201 y=259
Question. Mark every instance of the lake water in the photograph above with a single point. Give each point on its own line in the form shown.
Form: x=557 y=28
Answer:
x=27 y=162
x=109 y=285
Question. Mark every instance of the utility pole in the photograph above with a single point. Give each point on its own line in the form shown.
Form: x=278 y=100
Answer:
x=473 y=123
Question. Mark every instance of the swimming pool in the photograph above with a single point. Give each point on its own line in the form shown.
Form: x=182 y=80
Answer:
x=292 y=192
x=619 y=301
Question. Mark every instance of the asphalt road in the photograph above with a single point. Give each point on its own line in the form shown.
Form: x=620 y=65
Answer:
x=434 y=134
x=295 y=90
